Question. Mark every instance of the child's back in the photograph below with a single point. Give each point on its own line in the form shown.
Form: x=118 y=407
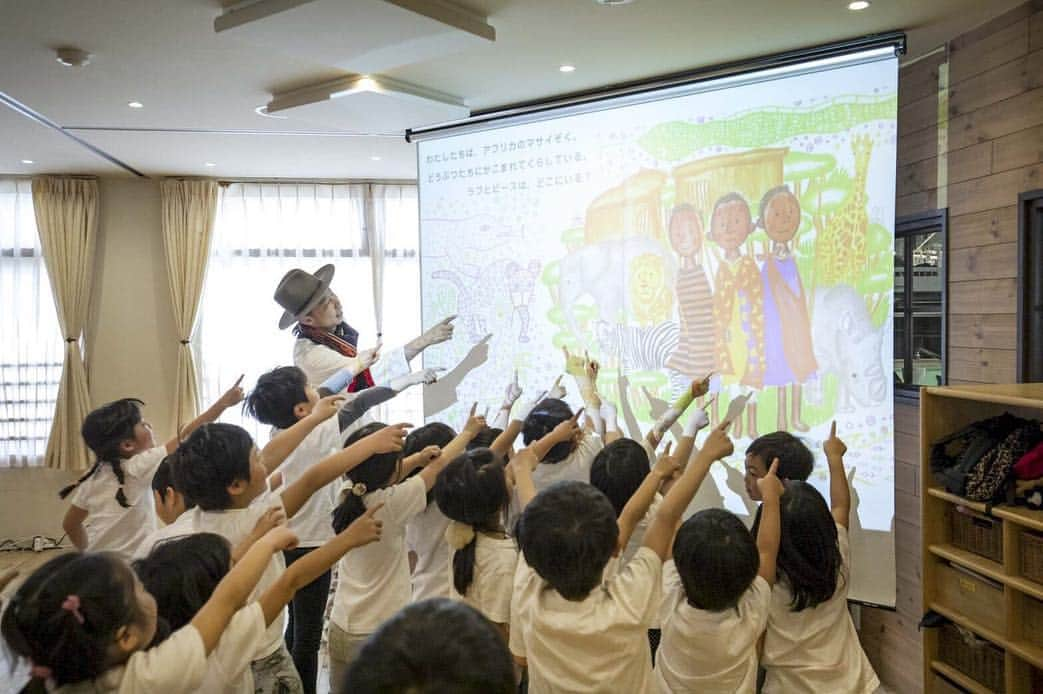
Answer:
x=816 y=647
x=581 y=635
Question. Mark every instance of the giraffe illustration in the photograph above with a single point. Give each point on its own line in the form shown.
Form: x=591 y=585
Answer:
x=840 y=250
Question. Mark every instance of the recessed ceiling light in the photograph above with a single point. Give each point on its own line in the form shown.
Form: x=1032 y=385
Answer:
x=611 y=3
x=375 y=158
x=567 y=68
x=135 y=104
x=263 y=111
x=210 y=164
x=27 y=161
x=858 y=5
x=72 y=57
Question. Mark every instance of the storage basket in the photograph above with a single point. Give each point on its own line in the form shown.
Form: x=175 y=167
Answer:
x=975 y=657
x=977 y=533
x=1032 y=556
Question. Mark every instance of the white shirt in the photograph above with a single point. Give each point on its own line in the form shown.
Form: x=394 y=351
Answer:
x=181 y=526
x=495 y=562
x=637 y=538
x=425 y=537
x=599 y=644
x=816 y=649
x=177 y=665
x=313 y=523
x=111 y=527
x=711 y=652
x=373 y=581
x=575 y=467
x=235 y=524
x=319 y=362
x=228 y=666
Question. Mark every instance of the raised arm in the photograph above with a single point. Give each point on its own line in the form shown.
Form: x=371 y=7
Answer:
x=475 y=423
x=231 y=397
x=440 y=332
x=386 y=440
x=667 y=419
x=272 y=518
x=283 y=443
x=698 y=420
x=640 y=501
x=660 y=533
x=839 y=491
x=364 y=530
x=236 y=586
x=769 y=532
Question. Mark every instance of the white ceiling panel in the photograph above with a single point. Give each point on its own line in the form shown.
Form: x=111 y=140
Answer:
x=49 y=150
x=261 y=156
x=363 y=36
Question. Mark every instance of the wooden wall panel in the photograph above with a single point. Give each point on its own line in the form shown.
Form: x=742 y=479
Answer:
x=982 y=228
x=994 y=261
x=974 y=53
x=994 y=191
x=983 y=296
x=1018 y=150
x=983 y=365
x=917 y=146
x=996 y=120
x=970 y=162
x=983 y=331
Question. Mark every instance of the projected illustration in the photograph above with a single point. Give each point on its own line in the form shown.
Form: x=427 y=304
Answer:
x=746 y=233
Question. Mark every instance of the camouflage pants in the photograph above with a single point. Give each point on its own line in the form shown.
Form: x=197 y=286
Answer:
x=276 y=674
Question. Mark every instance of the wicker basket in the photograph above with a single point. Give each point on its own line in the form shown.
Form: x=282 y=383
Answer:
x=978 y=659
x=1032 y=620
x=977 y=533
x=1032 y=556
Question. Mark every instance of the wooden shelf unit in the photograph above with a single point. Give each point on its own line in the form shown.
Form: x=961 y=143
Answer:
x=989 y=598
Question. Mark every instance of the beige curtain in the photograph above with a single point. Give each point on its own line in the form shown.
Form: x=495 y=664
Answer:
x=67 y=220
x=189 y=207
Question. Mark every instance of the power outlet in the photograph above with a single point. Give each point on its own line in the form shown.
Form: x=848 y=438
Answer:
x=38 y=543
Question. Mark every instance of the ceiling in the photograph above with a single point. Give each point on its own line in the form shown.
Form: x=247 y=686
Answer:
x=200 y=88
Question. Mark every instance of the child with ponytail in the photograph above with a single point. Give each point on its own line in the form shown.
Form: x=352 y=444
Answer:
x=474 y=491
x=115 y=494
x=85 y=623
x=374 y=584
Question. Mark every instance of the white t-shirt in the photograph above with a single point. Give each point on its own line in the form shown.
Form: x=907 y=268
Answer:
x=177 y=665
x=425 y=537
x=319 y=362
x=235 y=524
x=599 y=644
x=575 y=467
x=373 y=581
x=228 y=666
x=495 y=561
x=637 y=538
x=182 y=525
x=816 y=649
x=111 y=527
x=712 y=652
x=313 y=522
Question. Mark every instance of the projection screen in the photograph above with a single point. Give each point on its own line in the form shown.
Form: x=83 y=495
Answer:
x=741 y=226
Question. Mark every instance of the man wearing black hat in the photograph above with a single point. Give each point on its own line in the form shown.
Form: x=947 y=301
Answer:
x=326 y=343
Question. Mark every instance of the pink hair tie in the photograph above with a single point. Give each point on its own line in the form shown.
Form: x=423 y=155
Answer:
x=41 y=671
x=72 y=604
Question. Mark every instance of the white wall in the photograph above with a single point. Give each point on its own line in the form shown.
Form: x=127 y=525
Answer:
x=131 y=344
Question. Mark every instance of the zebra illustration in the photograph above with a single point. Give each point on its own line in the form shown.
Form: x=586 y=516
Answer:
x=633 y=348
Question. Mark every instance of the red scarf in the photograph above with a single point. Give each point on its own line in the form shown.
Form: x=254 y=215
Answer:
x=341 y=346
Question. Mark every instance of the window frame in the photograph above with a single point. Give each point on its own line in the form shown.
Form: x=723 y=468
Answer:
x=932 y=221
x=1029 y=250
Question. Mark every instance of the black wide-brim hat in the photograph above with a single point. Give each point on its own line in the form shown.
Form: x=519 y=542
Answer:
x=299 y=292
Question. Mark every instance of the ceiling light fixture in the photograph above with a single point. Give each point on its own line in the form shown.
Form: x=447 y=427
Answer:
x=72 y=57
x=858 y=5
x=209 y=164
x=135 y=104
x=567 y=68
x=375 y=158
x=27 y=161
x=613 y=3
x=263 y=111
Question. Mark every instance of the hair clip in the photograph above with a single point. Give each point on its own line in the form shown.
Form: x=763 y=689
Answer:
x=41 y=671
x=358 y=489
x=71 y=604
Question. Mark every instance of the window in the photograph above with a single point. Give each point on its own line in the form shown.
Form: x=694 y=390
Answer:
x=920 y=312
x=31 y=347
x=261 y=231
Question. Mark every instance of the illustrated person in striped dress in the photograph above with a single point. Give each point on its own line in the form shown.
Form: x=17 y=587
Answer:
x=693 y=355
x=789 y=357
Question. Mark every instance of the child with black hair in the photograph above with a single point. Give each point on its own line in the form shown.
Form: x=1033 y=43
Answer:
x=575 y=630
x=85 y=622
x=114 y=494
x=281 y=398
x=170 y=503
x=425 y=532
x=811 y=643
x=474 y=491
x=374 y=584
x=218 y=467
x=181 y=574
x=795 y=460
x=717 y=593
x=432 y=647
